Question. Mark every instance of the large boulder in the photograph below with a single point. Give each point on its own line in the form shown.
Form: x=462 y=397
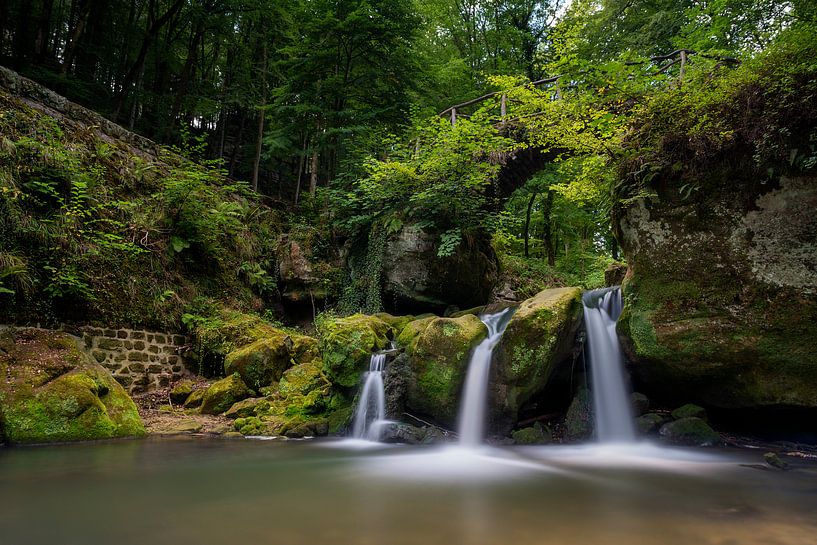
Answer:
x=262 y=362
x=52 y=391
x=416 y=278
x=539 y=337
x=346 y=345
x=720 y=303
x=439 y=350
x=223 y=394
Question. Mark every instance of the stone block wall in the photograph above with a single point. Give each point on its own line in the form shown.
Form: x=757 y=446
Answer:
x=139 y=360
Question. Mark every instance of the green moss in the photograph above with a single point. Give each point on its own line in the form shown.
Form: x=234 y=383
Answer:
x=346 y=345
x=262 y=362
x=439 y=349
x=223 y=394
x=53 y=392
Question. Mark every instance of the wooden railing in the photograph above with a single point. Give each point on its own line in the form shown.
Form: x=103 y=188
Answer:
x=677 y=57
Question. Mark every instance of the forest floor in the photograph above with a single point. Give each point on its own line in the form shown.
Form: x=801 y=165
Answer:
x=161 y=417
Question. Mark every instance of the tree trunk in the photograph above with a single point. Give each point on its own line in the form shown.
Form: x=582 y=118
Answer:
x=43 y=30
x=547 y=236
x=83 y=13
x=301 y=161
x=527 y=222
x=313 y=174
x=259 y=142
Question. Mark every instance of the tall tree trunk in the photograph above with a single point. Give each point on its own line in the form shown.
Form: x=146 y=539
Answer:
x=154 y=25
x=313 y=174
x=527 y=222
x=184 y=78
x=83 y=12
x=259 y=141
x=301 y=161
x=547 y=236
x=43 y=30
x=22 y=37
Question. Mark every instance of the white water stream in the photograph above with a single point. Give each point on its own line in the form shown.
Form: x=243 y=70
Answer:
x=611 y=399
x=471 y=423
x=371 y=408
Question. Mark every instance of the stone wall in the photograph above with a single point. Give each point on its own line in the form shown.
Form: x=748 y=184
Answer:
x=139 y=360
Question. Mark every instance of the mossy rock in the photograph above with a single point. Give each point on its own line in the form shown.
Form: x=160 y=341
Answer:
x=195 y=398
x=262 y=362
x=690 y=431
x=181 y=391
x=690 y=410
x=397 y=323
x=52 y=391
x=540 y=336
x=649 y=423
x=579 y=418
x=439 y=350
x=244 y=408
x=346 y=345
x=533 y=435
x=223 y=394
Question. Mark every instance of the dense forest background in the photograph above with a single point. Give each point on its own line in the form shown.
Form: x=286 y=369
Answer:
x=328 y=110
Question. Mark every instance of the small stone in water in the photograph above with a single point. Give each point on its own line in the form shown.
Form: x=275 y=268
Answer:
x=774 y=460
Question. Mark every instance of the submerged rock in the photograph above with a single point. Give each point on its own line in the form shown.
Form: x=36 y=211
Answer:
x=398 y=432
x=52 y=391
x=539 y=337
x=690 y=431
x=438 y=350
x=775 y=461
x=640 y=402
x=223 y=394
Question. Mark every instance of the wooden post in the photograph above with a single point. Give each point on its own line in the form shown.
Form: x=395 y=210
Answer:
x=453 y=116
x=683 y=64
x=503 y=106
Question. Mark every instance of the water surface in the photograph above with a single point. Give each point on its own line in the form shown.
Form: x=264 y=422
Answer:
x=206 y=491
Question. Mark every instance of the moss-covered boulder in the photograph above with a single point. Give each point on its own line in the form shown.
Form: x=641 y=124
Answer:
x=533 y=435
x=51 y=391
x=438 y=351
x=539 y=337
x=721 y=292
x=346 y=345
x=245 y=408
x=690 y=410
x=262 y=362
x=181 y=391
x=195 y=398
x=649 y=423
x=223 y=394
x=690 y=431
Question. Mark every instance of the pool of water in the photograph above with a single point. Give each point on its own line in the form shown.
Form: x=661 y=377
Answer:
x=207 y=491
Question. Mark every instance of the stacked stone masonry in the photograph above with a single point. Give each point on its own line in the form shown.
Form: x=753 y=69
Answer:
x=140 y=360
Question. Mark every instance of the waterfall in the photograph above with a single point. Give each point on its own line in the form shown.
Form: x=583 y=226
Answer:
x=611 y=400
x=371 y=408
x=475 y=398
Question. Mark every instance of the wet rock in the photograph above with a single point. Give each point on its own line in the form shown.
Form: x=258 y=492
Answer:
x=439 y=350
x=179 y=427
x=649 y=423
x=346 y=345
x=396 y=380
x=262 y=362
x=534 y=435
x=641 y=404
x=244 y=408
x=195 y=398
x=690 y=431
x=434 y=436
x=539 y=338
x=579 y=419
x=615 y=273
x=689 y=411
x=398 y=432
x=775 y=461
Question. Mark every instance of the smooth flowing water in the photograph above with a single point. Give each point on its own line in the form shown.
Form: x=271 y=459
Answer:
x=611 y=397
x=370 y=412
x=219 y=491
x=475 y=392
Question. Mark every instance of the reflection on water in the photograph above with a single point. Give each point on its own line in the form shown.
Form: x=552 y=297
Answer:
x=265 y=492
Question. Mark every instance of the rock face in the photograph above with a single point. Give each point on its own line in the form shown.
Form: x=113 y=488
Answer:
x=51 y=391
x=416 y=278
x=538 y=338
x=438 y=350
x=721 y=295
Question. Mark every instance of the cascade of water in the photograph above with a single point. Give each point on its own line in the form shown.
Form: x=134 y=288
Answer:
x=611 y=401
x=371 y=408
x=475 y=398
